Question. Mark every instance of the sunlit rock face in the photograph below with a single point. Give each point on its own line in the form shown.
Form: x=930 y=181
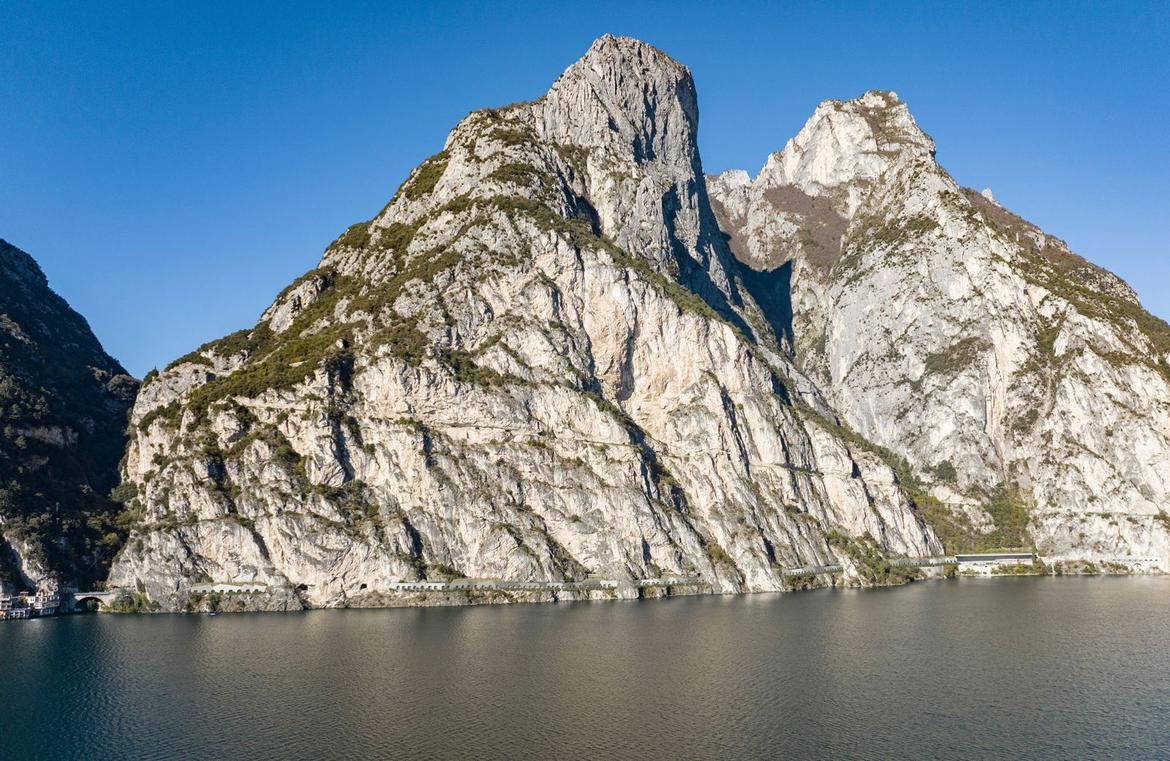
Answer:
x=1022 y=384
x=540 y=361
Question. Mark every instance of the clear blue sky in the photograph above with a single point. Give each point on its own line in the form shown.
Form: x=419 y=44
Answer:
x=172 y=168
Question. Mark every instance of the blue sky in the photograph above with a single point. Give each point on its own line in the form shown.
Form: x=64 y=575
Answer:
x=172 y=168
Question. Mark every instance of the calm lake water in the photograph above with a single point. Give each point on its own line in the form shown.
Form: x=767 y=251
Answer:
x=1031 y=668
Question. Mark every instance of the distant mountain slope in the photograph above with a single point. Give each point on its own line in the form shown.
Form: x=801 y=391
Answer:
x=537 y=362
x=1026 y=387
x=63 y=406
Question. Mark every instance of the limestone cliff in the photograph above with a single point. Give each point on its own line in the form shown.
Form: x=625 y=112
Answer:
x=63 y=406
x=1025 y=387
x=539 y=361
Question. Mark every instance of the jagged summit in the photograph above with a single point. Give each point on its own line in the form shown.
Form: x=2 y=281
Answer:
x=848 y=142
x=617 y=46
x=632 y=110
x=612 y=143
x=616 y=57
x=823 y=175
x=628 y=87
x=625 y=96
x=613 y=56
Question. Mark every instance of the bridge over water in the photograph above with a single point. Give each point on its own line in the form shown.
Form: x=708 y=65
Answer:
x=75 y=599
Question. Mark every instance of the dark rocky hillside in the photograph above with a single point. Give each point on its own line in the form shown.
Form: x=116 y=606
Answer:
x=63 y=404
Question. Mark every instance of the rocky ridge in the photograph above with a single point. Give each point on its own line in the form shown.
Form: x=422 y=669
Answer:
x=539 y=361
x=1025 y=388
x=63 y=408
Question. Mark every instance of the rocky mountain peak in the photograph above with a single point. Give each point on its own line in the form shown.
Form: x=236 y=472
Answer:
x=613 y=142
x=19 y=266
x=631 y=112
x=624 y=93
x=1004 y=368
x=846 y=142
x=537 y=362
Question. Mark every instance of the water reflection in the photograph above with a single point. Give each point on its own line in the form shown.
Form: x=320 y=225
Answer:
x=1037 y=668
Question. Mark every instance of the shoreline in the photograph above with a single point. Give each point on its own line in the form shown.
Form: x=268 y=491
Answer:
x=288 y=602
x=239 y=598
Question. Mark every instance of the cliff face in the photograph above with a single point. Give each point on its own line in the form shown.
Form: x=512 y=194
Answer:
x=1026 y=388
x=63 y=407
x=540 y=361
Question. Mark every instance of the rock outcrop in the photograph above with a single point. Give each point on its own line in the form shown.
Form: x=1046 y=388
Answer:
x=540 y=361
x=1026 y=389
x=63 y=410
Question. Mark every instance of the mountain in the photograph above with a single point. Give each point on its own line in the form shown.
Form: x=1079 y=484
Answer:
x=540 y=361
x=63 y=408
x=1026 y=389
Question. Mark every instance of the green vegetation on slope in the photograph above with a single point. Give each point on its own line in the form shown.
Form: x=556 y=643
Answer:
x=63 y=405
x=1008 y=512
x=872 y=565
x=1086 y=286
x=1005 y=505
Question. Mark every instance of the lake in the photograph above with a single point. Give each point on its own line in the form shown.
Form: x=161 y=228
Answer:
x=1038 y=668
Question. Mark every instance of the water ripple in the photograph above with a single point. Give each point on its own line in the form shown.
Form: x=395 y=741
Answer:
x=1021 y=668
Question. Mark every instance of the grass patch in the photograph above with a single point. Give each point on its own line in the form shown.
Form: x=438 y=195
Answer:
x=956 y=358
x=171 y=415
x=869 y=559
x=426 y=177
